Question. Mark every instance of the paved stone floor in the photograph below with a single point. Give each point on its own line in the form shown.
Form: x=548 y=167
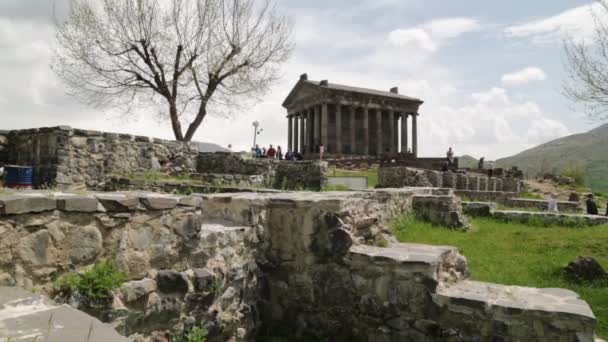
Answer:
x=25 y=316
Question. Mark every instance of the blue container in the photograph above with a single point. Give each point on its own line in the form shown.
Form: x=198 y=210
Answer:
x=19 y=176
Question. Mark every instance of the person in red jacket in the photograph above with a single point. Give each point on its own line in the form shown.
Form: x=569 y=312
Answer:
x=271 y=153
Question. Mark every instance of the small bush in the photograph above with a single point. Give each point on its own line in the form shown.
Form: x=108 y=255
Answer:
x=577 y=173
x=95 y=285
x=196 y=334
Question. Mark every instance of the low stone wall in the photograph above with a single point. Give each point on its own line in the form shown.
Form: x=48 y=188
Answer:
x=278 y=174
x=445 y=210
x=397 y=176
x=542 y=205
x=298 y=265
x=479 y=209
x=546 y=218
x=183 y=188
x=234 y=163
x=485 y=196
x=72 y=158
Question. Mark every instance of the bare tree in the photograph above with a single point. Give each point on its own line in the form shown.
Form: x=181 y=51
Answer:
x=587 y=66
x=188 y=57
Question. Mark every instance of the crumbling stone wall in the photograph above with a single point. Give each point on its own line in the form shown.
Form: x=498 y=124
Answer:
x=279 y=174
x=398 y=176
x=300 y=265
x=70 y=157
x=182 y=269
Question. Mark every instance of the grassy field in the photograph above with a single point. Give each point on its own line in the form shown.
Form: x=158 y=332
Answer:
x=372 y=175
x=516 y=254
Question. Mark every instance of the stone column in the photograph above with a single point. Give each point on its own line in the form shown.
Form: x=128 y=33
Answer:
x=338 y=128
x=289 y=133
x=404 y=135
x=366 y=131
x=379 y=132
x=317 y=128
x=310 y=139
x=302 y=132
x=415 y=134
x=391 y=121
x=324 y=126
x=296 y=130
x=353 y=130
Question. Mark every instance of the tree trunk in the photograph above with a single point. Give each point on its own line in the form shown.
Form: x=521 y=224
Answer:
x=202 y=112
x=177 y=127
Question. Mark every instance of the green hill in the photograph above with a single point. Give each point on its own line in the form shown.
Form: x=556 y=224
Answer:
x=468 y=162
x=587 y=151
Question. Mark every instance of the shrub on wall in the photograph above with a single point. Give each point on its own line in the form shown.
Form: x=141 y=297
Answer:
x=93 y=286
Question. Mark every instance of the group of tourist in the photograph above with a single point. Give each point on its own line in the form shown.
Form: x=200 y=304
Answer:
x=272 y=153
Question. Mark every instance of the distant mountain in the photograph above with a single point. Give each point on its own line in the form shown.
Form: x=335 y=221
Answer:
x=588 y=151
x=468 y=162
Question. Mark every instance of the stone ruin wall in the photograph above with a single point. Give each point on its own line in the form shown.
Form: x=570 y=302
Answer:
x=72 y=158
x=301 y=265
x=277 y=174
x=398 y=177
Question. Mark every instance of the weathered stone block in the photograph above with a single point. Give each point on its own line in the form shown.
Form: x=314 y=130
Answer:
x=85 y=204
x=450 y=180
x=483 y=183
x=203 y=279
x=118 y=203
x=171 y=282
x=462 y=182
x=159 y=202
x=21 y=204
x=479 y=209
x=473 y=183
x=84 y=244
x=137 y=289
x=34 y=249
x=190 y=201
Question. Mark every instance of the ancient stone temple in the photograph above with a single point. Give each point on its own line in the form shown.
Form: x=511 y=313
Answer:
x=350 y=120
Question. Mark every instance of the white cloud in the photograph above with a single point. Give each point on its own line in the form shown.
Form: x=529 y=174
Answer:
x=432 y=35
x=524 y=76
x=492 y=124
x=578 y=23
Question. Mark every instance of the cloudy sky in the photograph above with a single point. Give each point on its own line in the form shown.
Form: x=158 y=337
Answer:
x=490 y=72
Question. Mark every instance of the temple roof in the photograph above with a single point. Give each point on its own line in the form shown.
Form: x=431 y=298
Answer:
x=347 y=88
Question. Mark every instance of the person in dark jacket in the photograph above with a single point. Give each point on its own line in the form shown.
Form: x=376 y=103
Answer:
x=591 y=206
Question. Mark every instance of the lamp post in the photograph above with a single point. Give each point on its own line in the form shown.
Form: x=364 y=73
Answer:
x=256 y=131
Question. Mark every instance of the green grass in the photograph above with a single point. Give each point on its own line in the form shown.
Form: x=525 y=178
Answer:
x=530 y=195
x=371 y=175
x=517 y=254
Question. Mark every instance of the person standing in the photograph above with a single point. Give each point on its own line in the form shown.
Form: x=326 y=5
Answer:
x=279 y=153
x=271 y=153
x=258 y=151
x=552 y=204
x=289 y=155
x=321 y=151
x=450 y=156
x=591 y=206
